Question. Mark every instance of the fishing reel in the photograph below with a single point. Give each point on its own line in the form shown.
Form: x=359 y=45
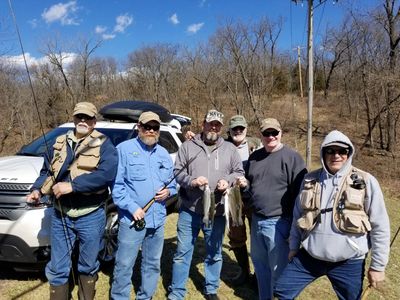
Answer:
x=139 y=224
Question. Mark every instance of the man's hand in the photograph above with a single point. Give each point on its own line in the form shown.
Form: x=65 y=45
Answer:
x=162 y=195
x=33 y=197
x=241 y=181
x=62 y=188
x=138 y=214
x=222 y=185
x=189 y=135
x=199 y=181
x=375 y=278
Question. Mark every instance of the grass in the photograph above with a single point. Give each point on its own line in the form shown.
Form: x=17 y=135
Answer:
x=31 y=286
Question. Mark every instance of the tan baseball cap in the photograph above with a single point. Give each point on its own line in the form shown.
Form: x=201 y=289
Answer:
x=270 y=123
x=85 y=108
x=148 y=116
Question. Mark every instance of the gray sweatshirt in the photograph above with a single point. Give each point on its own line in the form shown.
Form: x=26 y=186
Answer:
x=325 y=242
x=222 y=162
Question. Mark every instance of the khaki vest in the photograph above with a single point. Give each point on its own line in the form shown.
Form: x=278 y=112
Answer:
x=348 y=208
x=87 y=157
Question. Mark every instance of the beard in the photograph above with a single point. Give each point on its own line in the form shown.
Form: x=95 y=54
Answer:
x=211 y=137
x=149 y=139
x=82 y=129
x=238 y=138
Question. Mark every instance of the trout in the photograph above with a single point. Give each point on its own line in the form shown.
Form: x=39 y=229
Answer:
x=235 y=206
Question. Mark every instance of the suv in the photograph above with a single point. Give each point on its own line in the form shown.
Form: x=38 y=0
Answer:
x=25 y=229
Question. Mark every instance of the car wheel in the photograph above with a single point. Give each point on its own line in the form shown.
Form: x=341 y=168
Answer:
x=107 y=254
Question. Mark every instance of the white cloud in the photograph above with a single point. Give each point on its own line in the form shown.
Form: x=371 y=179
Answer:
x=100 y=29
x=18 y=60
x=123 y=21
x=174 y=19
x=108 y=36
x=61 y=12
x=33 y=23
x=192 y=29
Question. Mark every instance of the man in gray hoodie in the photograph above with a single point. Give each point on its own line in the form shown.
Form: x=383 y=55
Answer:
x=339 y=210
x=215 y=164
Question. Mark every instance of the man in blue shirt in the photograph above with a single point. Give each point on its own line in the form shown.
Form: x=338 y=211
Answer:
x=144 y=168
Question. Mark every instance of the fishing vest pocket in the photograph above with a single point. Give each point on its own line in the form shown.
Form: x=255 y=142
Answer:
x=307 y=198
x=307 y=220
x=136 y=171
x=354 y=221
x=354 y=198
x=88 y=160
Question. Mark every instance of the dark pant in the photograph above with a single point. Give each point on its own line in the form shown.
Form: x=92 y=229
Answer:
x=346 y=276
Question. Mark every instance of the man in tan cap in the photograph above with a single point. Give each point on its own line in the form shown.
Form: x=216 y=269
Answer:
x=81 y=169
x=144 y=168
x=275 y=173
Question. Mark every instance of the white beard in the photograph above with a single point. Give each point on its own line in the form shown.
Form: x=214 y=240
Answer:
x=149 y=140
x=211 y=136
x=82 y=130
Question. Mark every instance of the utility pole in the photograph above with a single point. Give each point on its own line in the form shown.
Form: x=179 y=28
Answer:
x=310 y=82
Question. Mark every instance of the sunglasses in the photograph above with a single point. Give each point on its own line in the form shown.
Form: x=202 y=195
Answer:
x=84 y=117
x=270 y=133
x=241 y=128
x=333 y=151
x=148 y=127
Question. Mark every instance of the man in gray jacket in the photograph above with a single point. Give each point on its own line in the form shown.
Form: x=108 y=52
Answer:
x=215 y=165
x=339 y=210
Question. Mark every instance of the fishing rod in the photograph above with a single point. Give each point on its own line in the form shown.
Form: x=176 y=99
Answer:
x=47 y=152
x=141 y=224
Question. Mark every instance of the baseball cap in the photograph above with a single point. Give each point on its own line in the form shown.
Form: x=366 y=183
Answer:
x=85 y=108
x=337 y=143
x=270 y=123
x=214 y=115
x=148 y=116
x=237 y=120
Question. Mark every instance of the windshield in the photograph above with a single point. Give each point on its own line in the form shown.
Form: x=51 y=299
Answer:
x=38 y=147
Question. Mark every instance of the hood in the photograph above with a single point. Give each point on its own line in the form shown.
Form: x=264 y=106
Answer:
x=337 y=136
x=20 y=169
x=199 y=141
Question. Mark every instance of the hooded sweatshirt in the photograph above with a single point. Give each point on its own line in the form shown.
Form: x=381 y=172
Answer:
x=222 y=161
x=327 y=243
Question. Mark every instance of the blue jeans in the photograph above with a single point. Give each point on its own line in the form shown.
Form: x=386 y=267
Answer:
x=346 y=276
x=269 y=251
x=189 y=225
x=89 y=229
x=130 y=240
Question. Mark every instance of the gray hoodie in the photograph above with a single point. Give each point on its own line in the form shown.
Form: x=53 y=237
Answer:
x=325 y=242
x=223 y=162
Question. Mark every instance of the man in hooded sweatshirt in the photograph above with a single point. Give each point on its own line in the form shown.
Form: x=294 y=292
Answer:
x=339 y=210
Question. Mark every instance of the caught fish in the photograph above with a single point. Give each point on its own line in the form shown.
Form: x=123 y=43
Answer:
x=235 y=206
x=206 y=205
x=225 y=199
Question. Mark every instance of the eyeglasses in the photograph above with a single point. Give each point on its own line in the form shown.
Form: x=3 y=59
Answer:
x=84 y=117
x=273 y=133
x=149 y=127
x=333 y=151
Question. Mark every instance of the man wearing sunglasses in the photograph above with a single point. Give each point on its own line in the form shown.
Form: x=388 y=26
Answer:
x=339 y=215
x=82 y=168
x=144 y=168
x=275 y=173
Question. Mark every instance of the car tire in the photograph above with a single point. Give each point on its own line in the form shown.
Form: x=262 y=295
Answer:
x=110 y=238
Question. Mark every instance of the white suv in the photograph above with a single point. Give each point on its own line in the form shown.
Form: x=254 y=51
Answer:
x=25 y=229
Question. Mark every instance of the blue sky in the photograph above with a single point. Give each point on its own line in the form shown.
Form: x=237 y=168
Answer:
x=126 y=25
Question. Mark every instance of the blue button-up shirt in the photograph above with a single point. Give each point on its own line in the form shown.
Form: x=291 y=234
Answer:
x=141 y=174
